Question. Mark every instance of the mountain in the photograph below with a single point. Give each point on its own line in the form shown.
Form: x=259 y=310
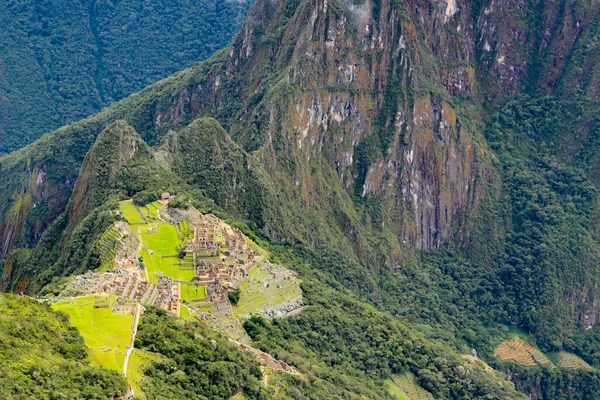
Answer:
x=62 y=61
x=428 y=162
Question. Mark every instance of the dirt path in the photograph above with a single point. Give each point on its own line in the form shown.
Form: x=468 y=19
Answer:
x=136 y=321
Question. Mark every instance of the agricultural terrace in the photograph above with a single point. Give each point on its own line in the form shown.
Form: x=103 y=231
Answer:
x=138 y=362
x=520 y=352
x=131 y=213
x=106 y=334
x=183 y=262
x=571 y=361
x=405 y=387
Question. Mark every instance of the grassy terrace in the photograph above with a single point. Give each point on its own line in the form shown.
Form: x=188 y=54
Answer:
x=106 y=335
x=138 y=361
x=160 y=240
x=405 y=387
x=107 y=245
x=130 y=212
x=185 y=312
x=191 y=293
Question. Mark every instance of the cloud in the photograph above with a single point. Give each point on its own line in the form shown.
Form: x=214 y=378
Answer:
x=362 y=13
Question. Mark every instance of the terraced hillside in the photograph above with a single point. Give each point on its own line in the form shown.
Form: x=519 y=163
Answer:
x=405 y=387
x=181 y=261
x=571 y=361
x=521 y=352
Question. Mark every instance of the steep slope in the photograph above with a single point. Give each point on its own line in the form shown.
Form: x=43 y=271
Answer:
x=356 y=134
x=66 y=248
x=61 y=62
x=118 y=165
x=375 y=144
x=43 y=357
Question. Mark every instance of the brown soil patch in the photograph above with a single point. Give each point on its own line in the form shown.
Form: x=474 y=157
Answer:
x=520 y=352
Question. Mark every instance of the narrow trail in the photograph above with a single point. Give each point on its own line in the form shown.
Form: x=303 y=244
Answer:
x=136 y=321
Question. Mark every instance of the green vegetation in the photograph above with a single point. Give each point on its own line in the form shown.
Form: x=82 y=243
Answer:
x=139 y=361
x=405 y=388
x=160 y=249
x=190 y=293
x=131 y=212
x=43 y=357
x=423 y=223
x=202 y=363
x=106 y=248
x=234 y=296
x=185 y=312
x=106 y=334
x=65 y=61
x=262 y=290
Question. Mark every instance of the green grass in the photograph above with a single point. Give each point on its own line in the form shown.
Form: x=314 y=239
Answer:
x=185 y=275
x=138 y=361
x=149 y=211
x=163 y=242
x=185 y=312
x=395 y=390
x=107 y=335
x=130 y=212
x=406 y=386
x=192 y=292
x=107 y=244
x=185 y=228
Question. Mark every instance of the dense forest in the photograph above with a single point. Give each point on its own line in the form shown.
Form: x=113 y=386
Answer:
x=62 y=61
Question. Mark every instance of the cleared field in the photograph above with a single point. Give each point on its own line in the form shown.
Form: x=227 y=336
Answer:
x=192 y=292
x=571 y=361
x=406 y=388
x=161 y=240
x=107 y=335
x=130 y=212
x=264 y=289
x=520 y=352
x=185 y=312
x=138 y=361
x=184 y=275
x=395 y=390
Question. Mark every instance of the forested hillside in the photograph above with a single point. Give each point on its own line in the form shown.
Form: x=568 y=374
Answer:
x=43 y=357
x=428 y=169
x=62 y=61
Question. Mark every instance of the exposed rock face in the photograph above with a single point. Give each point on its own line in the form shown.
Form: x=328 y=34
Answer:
x=539 y=43
x=374 y=103
x=30 y=192
x=354 y=91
